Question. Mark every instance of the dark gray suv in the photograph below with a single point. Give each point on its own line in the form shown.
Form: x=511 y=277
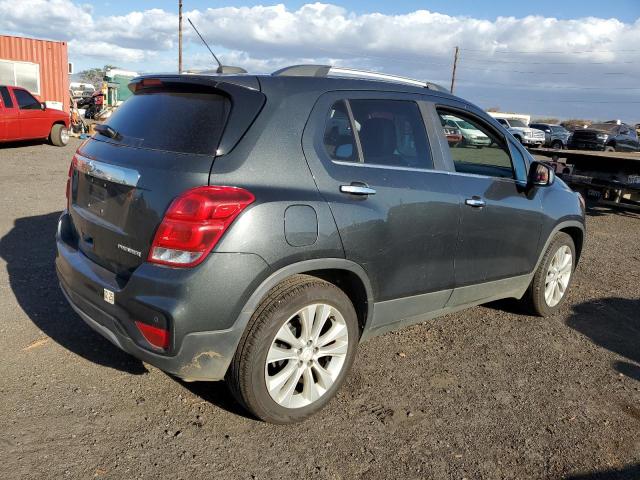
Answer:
x=257 y=228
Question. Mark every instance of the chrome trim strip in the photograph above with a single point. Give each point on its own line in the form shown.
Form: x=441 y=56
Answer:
x=387 y=167
x=108 y=172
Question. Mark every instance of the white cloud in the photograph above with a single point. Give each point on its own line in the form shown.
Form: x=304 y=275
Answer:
x=419 y=44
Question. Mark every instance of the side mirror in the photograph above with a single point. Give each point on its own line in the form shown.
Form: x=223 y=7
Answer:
x=43 y=106
x=541 y=175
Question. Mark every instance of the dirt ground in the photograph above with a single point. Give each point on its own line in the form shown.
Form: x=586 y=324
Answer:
x=489 y=393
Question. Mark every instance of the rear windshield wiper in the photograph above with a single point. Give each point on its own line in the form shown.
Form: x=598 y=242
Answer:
x=107 y=131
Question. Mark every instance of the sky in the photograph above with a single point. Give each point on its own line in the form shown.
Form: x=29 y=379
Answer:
x=562 y=58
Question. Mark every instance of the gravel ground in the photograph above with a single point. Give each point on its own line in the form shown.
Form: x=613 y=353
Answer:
x=488 y=393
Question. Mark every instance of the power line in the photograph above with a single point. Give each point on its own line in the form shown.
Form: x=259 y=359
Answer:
x=543 y=52
x=549 y=87
x=582 y=102
x=485 y=60
x=463 y=65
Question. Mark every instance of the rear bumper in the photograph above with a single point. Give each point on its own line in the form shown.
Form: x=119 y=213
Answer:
x=200 y=305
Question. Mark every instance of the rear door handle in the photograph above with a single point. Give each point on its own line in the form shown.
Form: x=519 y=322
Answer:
x=357 y=189
x=475 y=202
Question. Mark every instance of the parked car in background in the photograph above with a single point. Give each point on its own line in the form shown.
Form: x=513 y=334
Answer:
x=307 y=213
x=555 y=136
x=471 y=136
x=23 y=117
x=613 y=136
x=531 y=137
x=81 y=90
x=454 y=135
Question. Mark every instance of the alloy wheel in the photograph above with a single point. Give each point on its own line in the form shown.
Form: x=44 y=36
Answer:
x=306 y=355
x=558 y=276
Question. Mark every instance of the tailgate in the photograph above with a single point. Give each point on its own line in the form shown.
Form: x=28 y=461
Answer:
x=159 y=143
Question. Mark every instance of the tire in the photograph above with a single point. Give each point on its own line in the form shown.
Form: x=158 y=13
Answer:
x=519 y=138
x=249 y=373
x=557 y=145
x=479 y=147
x=536 y=296
x=59 y=135
x=609 y=148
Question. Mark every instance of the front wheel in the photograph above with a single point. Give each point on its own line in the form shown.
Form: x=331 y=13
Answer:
x=557 y=145
x=549 y=286
x=59 y=135
x=609 y=148
x=296 y=351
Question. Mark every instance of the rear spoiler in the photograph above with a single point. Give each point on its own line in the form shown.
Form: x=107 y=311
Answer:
x=243 y=91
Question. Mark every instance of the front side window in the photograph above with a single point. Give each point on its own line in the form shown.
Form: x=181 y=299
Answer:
x=26 y=101
x=387 y=132
x=482 y=151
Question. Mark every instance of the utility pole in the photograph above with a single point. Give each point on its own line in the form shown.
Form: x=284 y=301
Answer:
x=179 y=36
x=455 y=65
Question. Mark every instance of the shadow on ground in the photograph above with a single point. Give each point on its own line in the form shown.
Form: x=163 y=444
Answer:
x=598 y=210
x=29 y=250
x=631 y=472
x=612 y=323
x=218 y=394
x=24 y=143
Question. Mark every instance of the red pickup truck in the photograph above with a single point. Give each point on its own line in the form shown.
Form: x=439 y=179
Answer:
x=23 y=117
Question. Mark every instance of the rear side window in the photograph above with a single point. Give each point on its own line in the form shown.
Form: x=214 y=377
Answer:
x=387 y=132
x=6 y=97
x=174 y=121
x=339 y=140
x=26 y=101
x=481 y=151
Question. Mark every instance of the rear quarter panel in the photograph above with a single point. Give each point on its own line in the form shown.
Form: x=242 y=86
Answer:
x=269 y=162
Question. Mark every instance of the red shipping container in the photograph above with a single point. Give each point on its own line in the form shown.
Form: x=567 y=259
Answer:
x=53 y=62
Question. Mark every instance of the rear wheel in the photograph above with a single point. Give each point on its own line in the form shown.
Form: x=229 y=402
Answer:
x=59 y=135
x=551 y=281
x=296 y=351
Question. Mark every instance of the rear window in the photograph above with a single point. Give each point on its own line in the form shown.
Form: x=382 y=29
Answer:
x=174 y=121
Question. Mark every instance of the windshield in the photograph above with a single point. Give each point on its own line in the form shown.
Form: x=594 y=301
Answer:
x=517 y=123
x=465 y=125
x=609 y=127
x=174 y=121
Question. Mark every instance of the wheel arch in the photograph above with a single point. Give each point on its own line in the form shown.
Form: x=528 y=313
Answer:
x=346 y=275
x=59 y=122
x=577 y=235
x=574 y=229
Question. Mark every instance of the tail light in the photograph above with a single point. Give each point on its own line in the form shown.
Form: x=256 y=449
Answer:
x=69 y=177
x=194 y=223
x=158 y=337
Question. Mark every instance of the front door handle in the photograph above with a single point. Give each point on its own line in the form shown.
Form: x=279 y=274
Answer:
x=475 y=202
x=357 y=189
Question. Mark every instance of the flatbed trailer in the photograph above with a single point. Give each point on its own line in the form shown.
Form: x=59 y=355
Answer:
x=611 y=177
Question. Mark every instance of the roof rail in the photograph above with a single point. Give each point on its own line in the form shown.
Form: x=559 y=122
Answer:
x=329 y=70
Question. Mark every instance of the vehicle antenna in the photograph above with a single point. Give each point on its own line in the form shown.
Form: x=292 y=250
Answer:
x=207 y=45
